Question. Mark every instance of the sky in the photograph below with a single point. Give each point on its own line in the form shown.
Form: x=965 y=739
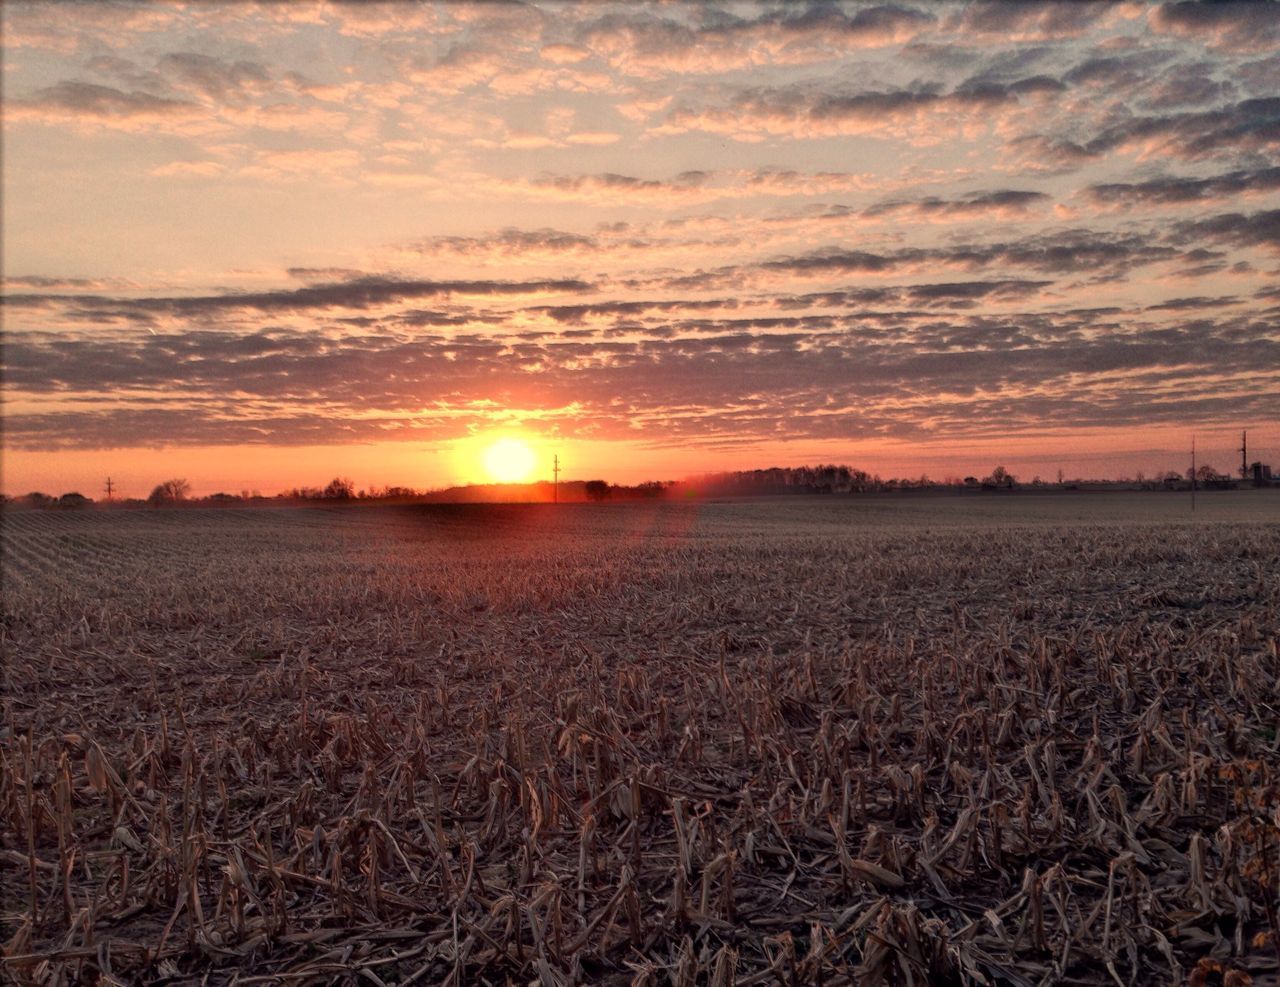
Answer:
x=258 y=245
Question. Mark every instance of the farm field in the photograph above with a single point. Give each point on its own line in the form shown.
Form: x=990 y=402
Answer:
x=973 y=740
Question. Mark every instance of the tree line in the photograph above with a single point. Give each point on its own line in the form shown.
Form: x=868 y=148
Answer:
x=773 y=481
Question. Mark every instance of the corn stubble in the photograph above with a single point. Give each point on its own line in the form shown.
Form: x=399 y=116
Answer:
x=729 y=744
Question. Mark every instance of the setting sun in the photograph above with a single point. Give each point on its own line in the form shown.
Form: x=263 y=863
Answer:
x=509 y=460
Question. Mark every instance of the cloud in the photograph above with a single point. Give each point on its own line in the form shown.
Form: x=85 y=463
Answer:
x=802 y=111
x=614 y=187
x=356 y=293
x=578 y=314
x=1026 y=21
x=1249 y=125
x=85 y=99
x=1198 y=303
x=68 y=29
x=684 y=188
x=1109 y=72
x=302 y=164
x=213 y=78
x=609 y=244
x=1000 y=204
x=703 y=40
x=1180 y=190
x=1068 y=251
x=187 y=93
x=594 y=138
x=323 y=275
x=973 y=291
x=377 y=21
x=1188 y=85
x=460 y=67
x=41 y=283
x=189 y=169
x=691 y=379
x=1225 y=27
x=1259 y=229
x=508 y=242
x=670 y=192
x=563 y=54
x=1259 y=76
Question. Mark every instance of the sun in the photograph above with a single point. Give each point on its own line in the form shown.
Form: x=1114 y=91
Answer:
x=509 y=460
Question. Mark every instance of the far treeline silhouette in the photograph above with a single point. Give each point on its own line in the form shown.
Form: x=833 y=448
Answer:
x=774 y=481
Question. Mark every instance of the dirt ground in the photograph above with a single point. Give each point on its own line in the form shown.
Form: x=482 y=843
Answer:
x=1026 y=739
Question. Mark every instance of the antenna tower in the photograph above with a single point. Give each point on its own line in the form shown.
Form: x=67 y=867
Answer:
x=1244 y=454
x=110 y=488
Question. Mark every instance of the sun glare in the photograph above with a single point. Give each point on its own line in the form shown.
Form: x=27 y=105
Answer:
x=509 y=460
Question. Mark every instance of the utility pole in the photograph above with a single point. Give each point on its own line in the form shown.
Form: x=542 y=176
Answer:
x=1193 y=474
x=555 y=472
x=110 y=488
x=1244 y=454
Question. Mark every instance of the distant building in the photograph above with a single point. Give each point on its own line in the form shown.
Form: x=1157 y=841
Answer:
x=1261 y=474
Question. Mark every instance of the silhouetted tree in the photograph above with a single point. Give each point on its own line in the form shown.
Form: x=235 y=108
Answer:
x=169 y=492
x=1001 y=477
x=651 y=488
x=596 y=489
x=339 y=488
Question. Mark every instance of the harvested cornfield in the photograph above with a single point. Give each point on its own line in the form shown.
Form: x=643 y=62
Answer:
x=989 y=741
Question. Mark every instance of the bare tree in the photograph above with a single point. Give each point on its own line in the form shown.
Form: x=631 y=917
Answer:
x=169 y=492
x=339 y=488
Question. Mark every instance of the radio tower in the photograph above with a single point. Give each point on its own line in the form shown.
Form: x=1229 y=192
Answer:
x=1244 y=454
x=555 y=472
x=110 y=488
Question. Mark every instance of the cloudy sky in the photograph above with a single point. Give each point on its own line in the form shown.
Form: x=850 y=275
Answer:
x=258 y=244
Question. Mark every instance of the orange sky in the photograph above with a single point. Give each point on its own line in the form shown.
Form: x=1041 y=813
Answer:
x=260 y=245
x=269 y=470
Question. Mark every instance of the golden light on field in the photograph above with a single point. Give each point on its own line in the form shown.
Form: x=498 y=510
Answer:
x=509 y=460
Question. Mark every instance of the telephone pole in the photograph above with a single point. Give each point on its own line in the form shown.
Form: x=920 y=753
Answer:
x=555 y=472
x=110 y=488
x=1193 y=474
